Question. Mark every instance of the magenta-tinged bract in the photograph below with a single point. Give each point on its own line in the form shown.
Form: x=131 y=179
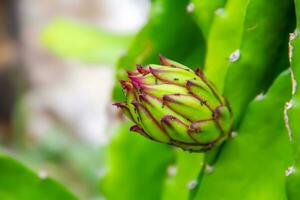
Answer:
x=172 y=104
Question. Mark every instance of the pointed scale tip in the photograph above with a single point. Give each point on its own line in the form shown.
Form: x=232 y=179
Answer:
x=168 y=98
x=132 y=73
x=195 y=126
x=141 y=69
x=143 y=98
x=136 y=84
x=136 y=79
x=138 y=129
x=189 y=84
x=136 y=104
x=167 y=118
x=218 y=112
x=135 y=128
x=154 y=72
x=126 y=85
x=120 y=104
x=163 y=60
x=199 y=73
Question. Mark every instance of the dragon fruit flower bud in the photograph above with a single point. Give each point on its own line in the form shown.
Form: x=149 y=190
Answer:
x=172 y=104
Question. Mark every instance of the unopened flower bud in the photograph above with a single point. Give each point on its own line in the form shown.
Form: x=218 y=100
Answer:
x=170 y=103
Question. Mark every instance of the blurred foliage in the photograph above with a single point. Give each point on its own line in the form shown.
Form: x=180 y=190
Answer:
x=70 y=39
x=137 y=167
x=18 y=182
x=205 y=11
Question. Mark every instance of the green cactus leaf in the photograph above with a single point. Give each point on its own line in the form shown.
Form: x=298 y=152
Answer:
x=181 y=41
x=293 y=180
x=204 y=12
x=252 y=165
x=259 y=54
x=137 y=167
x=18 y=182
x=73 y=40
x=224 y=38
x=182 y=175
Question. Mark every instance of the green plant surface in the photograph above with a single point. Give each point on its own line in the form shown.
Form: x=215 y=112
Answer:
x=224 y=38
x=204 y=12
x=17 y=182
x=182 y=175
x=172 y=31
x=293 y=180
x=136 y=167
x=252 y=165
x=259 y=53
x=73 y=40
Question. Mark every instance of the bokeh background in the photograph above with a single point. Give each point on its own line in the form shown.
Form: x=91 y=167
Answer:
x=57 y=62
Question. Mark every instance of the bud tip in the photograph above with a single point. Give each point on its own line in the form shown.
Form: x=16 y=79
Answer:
x=199 y=73
x=119 y=104
x=163 y=60
x=126 y=85
x=141 y=69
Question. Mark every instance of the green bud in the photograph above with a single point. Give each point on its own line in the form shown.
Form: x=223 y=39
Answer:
x=172 y=104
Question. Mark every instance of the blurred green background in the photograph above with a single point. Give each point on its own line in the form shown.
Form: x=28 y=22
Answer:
x=56 y=75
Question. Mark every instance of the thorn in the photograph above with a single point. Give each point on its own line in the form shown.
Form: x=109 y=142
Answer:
x=190 y=7
x=192 y=184
x=172 y=170
x=260 y=97
x=290 y=170
x=234 y=56
x=43 y=174
x=208 y=168
x=233 y=134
